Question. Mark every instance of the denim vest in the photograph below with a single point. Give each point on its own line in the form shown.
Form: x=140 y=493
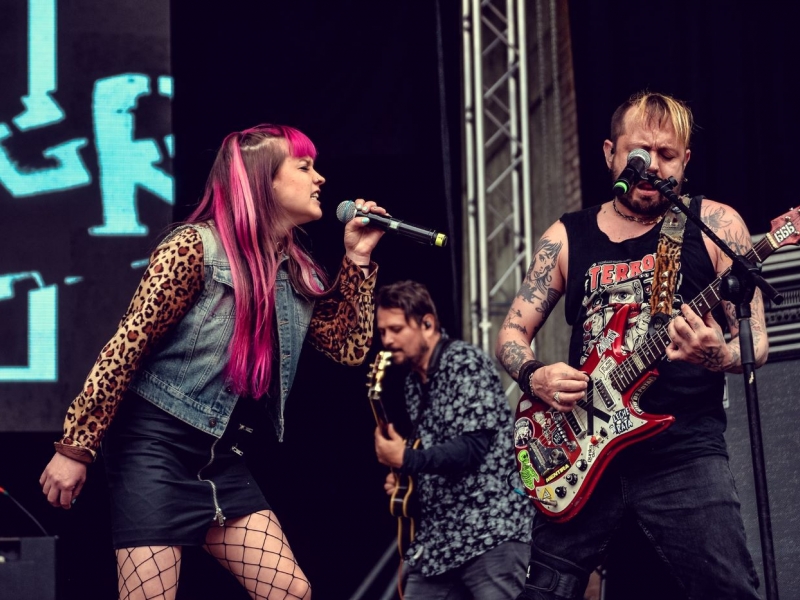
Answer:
x=185 y=376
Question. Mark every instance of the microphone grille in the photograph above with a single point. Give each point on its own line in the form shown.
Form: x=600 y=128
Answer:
x=346 y=210
x=641 y=153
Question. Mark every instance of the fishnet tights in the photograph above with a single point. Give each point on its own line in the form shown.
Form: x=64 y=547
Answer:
x=148 y=572
x=252 y=548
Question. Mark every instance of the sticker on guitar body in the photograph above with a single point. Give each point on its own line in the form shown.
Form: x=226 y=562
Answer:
x=621 y=421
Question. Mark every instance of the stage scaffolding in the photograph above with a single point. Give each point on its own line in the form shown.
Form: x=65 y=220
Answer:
x=497 y=195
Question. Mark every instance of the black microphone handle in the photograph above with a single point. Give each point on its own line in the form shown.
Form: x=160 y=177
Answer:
x=625 y=181
x=419 y=234
x=638 y=163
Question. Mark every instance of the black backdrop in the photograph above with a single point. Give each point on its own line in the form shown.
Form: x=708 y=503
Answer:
x=365 y=84
x=734 y=63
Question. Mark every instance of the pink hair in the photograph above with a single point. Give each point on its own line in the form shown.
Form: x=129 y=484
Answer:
x=239 y=199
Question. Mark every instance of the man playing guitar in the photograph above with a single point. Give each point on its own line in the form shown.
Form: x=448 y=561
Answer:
x=674 y=482
x=472 y=532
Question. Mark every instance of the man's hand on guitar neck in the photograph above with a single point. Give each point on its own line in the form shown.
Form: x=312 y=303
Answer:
x=389 y=448
x=700 y=341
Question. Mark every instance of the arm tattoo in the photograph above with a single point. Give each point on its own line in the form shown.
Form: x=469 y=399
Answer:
x=512 y=355
x=536 y=286
x=714 y=218
x=549 y=303
x=718 y=221
x=712 y=359
x=509 y=324
x=739 y=242
x=540 y=272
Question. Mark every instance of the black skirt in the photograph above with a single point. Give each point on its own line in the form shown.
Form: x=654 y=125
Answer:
x=170 y=482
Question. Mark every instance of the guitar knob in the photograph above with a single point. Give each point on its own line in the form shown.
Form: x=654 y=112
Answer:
x=581 y=464
x=561 y=491
x=572 y=478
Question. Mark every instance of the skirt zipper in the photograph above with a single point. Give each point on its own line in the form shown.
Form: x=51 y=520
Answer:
x=218 y=516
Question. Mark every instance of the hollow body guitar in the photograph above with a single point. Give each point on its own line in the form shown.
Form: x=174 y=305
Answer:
x=402 y=503
x=561 y=456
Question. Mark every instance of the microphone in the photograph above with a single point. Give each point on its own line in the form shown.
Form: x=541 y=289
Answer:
x=347 y=211
x=638 y=162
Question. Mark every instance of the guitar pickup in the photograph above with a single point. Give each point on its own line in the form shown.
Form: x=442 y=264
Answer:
x=573 y=423
x=607 y=399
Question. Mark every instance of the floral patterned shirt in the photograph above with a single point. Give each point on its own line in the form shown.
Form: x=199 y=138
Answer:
x=466 y=513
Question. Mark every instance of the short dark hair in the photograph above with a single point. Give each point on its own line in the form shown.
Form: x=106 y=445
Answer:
x=409 y=296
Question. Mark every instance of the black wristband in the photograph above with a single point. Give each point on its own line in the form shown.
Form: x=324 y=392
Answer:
x=525 y=371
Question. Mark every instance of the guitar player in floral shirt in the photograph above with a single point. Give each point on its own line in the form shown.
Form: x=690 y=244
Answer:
x=473 y=531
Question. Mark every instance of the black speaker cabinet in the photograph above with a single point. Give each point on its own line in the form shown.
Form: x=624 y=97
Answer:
x=779 y=407
x=28 y=568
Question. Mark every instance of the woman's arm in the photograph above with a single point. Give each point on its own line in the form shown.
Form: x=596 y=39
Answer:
x=170 y=285
x=341 y=326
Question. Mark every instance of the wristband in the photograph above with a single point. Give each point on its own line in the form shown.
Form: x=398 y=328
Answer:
x=526 y=371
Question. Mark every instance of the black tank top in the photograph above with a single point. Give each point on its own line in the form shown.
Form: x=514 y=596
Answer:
x=605 y=275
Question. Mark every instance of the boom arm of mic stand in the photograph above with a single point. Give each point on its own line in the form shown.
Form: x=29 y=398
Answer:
x=665 y=187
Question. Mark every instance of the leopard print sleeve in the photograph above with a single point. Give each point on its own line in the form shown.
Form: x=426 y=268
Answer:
x=341 y=326
x=170 y=285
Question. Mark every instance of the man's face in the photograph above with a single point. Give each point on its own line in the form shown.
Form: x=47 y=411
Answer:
x=668 y=157
x=405 y=340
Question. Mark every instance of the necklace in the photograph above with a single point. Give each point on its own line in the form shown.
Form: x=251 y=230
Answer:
x=635 y=219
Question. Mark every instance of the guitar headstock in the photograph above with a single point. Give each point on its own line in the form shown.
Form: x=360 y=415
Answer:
x=376 y=373
x=785 y=230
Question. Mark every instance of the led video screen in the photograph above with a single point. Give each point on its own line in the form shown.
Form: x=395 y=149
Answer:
x=86 y=187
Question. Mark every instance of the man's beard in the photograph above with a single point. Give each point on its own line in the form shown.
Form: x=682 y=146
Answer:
x=416 y=360
x=645 y=209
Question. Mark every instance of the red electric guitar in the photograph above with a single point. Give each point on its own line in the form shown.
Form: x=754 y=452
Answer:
x=401 y=503
x=561 y=456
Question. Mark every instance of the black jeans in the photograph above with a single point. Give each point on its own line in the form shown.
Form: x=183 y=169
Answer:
x=690 y=514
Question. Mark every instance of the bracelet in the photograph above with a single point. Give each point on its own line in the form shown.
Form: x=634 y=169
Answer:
x=526 y=372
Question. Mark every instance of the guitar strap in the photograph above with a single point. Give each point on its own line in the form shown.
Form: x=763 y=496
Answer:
x=668 y=265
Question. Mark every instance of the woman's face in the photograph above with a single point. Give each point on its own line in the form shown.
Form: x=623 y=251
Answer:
x=297 y=187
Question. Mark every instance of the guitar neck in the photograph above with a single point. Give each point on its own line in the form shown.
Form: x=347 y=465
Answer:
x=630 y=370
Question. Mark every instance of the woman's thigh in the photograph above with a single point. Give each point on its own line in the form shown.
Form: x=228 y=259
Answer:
x=255 y=550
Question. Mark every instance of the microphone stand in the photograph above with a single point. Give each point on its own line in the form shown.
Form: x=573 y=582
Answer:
x=738 y=288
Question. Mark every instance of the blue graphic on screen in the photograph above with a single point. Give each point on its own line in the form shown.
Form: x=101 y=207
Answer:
x=107 y=159
x=42 y=326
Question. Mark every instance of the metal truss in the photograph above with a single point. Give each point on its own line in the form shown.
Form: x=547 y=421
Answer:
x=497 y=161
